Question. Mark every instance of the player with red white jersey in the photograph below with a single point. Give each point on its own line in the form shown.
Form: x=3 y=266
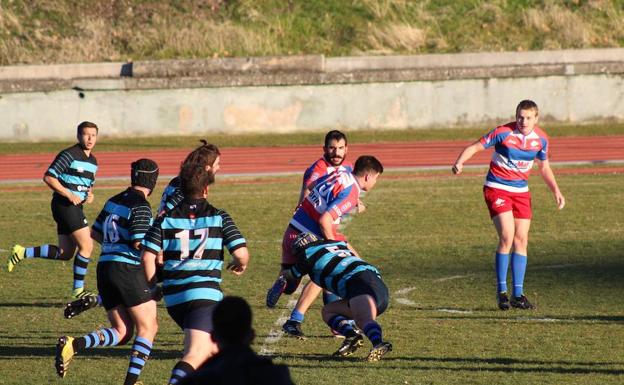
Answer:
x=328 y=200
x=506 y=192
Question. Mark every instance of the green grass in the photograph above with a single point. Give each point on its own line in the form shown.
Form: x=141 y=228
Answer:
x=107 y=143
x=68 y=31
x=431 y=238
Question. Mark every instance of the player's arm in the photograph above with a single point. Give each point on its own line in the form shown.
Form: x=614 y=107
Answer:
x=326 y=223
x=148 y=260
x=239 y=262
x=236 y=245
x=465 y=155
x=551 y=182
x=57 y=187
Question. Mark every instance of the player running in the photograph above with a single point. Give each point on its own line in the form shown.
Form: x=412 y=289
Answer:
x=70 y=176
x=506 y=191
x=125 y=293
x=192 y=236
x=330 y=199
x=334 y=266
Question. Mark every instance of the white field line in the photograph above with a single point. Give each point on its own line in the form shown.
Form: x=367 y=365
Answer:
x=443 y=279
x=276 y=334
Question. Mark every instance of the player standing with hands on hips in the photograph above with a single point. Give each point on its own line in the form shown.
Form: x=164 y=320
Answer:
x=506 y=191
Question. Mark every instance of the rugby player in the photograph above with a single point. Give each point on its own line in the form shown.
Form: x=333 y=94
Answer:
x=70 y=176
x=330 y=199
x=334 y=266
x=506 y=192
x=121 y=282
x=192 y=236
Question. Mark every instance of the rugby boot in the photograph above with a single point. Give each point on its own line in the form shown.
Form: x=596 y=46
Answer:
x=275 y=292
x=378 y=351
x=64 y=354
x=18 y=253
x=293 y=329
x=502 y=300
x=80 y=305
x=349 y=345
x=80 y=292
x=521 y=302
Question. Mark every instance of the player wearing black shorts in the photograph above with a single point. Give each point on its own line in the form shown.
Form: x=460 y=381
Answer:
x=123 y=288
x=192 y=236
x=71 y=176
x=335 y=267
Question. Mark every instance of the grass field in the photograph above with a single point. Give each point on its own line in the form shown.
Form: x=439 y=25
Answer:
x=433 y=242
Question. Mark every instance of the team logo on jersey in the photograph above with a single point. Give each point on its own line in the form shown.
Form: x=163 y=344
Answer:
x=80 y=169
x=499 y=202
x=534 y=143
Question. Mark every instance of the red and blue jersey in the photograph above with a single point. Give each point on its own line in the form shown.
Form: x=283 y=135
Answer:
x=336 y=193
x=513 y=156
x=321 y=168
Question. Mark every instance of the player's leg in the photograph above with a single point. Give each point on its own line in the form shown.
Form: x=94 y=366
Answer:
x=338 y=315
x=288 y=259
x=309 y=294
x=82 y=238
x=198 y=347
x=145 y=320
x=64 y=251
x=119 y=332
x=519 y=264
x=505 y=227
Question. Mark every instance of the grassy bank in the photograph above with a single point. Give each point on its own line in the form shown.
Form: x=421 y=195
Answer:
x=66 y=31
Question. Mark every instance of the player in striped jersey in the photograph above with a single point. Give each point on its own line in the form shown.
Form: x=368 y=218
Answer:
x=506 y=191
x=71 y=176
x=124 y=290
x=192 y=236
x=334 y=266
x=331 y=198
x=206 y=155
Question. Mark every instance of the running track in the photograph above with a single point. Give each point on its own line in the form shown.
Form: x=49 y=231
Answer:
x=596 y=151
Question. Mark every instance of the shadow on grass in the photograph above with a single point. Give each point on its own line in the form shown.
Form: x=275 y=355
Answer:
x=32 y=304
x=506 y=365
x=17 y=352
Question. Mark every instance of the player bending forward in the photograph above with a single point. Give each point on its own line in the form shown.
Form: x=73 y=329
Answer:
x=334 y=267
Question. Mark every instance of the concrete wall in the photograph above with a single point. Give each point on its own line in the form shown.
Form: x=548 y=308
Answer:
x=308 y=93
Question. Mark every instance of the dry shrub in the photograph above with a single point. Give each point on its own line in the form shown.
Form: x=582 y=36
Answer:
x=561 y=26
x=399 y=37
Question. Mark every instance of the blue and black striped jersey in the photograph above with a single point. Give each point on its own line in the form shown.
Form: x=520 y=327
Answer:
x=171 y=196
x=74 y=170
x=330 y=264
x=124 y=220
x=191 y=236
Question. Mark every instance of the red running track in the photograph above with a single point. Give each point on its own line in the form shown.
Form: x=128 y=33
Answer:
x=294 y=159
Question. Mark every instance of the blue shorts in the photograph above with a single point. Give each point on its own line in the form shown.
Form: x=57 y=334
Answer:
x=369 y=283
x=193 y=315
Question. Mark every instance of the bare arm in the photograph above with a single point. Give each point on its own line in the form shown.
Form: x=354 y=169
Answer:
x=239 y=262
x=551 y=182
x=57 y=187
x=326 y=223
x=148 y=259
x=465 y=155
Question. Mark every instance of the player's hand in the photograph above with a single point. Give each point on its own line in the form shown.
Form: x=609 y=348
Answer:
x=457 y=168
x=74 y=199
x=236 y=268
x=361 y=207
x=560 y=201
x=90 y=197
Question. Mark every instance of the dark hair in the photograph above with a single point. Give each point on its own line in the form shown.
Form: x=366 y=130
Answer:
x=86 y=124
x=231 y=320
x=367 y=163
x=527 y=105
x=204 y=155
x=144 y=173
x=194 y=179
x=334 y=135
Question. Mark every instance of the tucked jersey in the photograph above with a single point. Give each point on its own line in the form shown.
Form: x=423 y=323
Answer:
x=192 y=236
x=124 y=220
x=171 y=196
x=321 y=168
x=75 y=170
x=336 y=193
x=513 y=156
x=330 y=265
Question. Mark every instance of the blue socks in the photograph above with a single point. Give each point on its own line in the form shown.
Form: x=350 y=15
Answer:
x=141 y=350
x=502 y=264
x=180 y=370
x=297 y=316
x=80 y=271
x=342 y=325
x=518 y=268
x=373 y=332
